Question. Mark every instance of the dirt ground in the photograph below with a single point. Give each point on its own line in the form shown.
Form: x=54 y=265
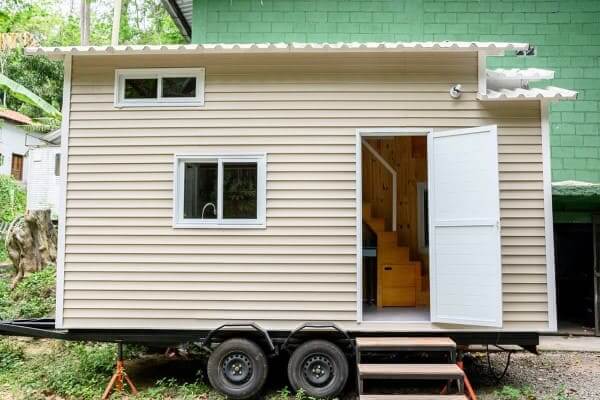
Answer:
x=573 y=375
x=548 y=376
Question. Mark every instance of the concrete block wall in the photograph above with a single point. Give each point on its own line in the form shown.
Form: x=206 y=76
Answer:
x=566 y=34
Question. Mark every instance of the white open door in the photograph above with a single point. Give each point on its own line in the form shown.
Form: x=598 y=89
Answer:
x=466 y=274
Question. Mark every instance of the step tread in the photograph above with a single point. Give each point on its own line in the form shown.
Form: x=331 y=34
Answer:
x=410 y=371
x=406 y=343
x=412 y=397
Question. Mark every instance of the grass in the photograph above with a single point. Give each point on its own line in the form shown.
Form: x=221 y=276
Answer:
x=37 y=370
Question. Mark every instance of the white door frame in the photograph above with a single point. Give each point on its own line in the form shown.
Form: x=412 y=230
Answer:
x=360 y=134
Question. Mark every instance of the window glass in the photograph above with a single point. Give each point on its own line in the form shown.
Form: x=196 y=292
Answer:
x=142 y=88
x=179 y=87
x=57 y=164
x=239 y=190
x=200 y=191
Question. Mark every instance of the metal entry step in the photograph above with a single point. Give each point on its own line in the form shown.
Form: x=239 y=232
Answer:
x=450 y=371
x=412 y=397
x=405 y=344
x=410 y=371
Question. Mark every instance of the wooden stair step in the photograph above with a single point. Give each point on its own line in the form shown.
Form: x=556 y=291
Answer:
x=405 y=343
x=387 y=237
x=394 y=254
x=413 y=397
x=410 y=371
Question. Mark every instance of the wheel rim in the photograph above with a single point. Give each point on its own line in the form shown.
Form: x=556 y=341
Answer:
x=237 y=368
x=318 y=369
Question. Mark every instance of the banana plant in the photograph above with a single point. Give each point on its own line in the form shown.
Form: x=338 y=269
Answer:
x=20 y=92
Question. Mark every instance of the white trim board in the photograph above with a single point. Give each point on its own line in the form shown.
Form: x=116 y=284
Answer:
x=62 y=201
x=373 y=132
x=159 y=74
x=548 y=218
x=179 y=161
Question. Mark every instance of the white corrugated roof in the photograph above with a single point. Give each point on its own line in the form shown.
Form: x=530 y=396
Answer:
x=549 y=92
x=528 y=74
x=492 y=47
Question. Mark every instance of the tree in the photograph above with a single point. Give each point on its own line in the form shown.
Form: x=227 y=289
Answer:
x=142 y=22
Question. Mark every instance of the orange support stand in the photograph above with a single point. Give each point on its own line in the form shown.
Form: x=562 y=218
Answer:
x=119 y=377
x=468 y=387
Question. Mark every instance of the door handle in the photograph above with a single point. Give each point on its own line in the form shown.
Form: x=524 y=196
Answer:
x=387 y=268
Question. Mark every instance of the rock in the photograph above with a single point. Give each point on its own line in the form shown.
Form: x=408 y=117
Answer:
x=31 y=243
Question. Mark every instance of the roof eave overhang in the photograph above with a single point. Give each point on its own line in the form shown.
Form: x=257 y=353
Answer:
x=547 y=94
x=270 y=48
x=178 y=18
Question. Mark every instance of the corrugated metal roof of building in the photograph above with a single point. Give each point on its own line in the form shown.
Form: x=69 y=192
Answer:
x=575 y=188
x=549 y=92
x=528 y=74
x=182 y=12
x=493 y=47
x=14 y=116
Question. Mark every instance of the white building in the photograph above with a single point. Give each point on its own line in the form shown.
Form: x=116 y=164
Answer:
x=43 y=174
x=14 y=142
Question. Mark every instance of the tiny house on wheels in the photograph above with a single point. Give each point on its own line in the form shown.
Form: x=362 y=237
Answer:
x=384 y=189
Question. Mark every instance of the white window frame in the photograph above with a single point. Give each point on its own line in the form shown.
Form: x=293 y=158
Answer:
x=421 y=221
x=261 y=190
x=159 y=73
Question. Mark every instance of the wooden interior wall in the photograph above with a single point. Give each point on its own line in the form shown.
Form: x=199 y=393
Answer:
x=408 y=156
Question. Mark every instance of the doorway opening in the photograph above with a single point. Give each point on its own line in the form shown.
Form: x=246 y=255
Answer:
x=574 y=247
x=395 y=228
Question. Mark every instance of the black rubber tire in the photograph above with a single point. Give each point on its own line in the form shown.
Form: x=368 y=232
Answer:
x=319 y=354
x=250 y=356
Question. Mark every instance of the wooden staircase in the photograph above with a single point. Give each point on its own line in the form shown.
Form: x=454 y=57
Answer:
x=449 y=372
x=399 y=280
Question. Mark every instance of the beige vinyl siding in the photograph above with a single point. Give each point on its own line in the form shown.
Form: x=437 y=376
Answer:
x=126 y=267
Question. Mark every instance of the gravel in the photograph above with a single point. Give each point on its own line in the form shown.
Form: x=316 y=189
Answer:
x=575 y=375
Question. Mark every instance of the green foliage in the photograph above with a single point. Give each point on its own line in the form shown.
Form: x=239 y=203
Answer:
x=286 y=394
x=71 y=370
x=33 y=297
x=12 y=198
x=78 y=371
x=171 y=389
x=12 y=204
x=527 y=393
x=142 y=22
x=513 y=393
x=38 y=74
x=12 y=354
x=26 y=96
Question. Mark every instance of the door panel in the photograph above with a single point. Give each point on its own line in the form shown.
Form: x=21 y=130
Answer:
x=17 y=167
x=466 y=278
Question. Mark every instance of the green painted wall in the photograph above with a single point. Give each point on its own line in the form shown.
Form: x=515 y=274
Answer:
x=566 y=34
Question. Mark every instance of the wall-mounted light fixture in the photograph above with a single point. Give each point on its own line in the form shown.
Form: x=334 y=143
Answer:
x=456 y=91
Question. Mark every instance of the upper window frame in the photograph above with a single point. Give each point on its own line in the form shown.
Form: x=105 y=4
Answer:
x=219 y=223
x=158 y=73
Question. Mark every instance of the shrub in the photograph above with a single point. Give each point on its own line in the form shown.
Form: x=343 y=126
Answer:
x=13 y=200
x=33 y=297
